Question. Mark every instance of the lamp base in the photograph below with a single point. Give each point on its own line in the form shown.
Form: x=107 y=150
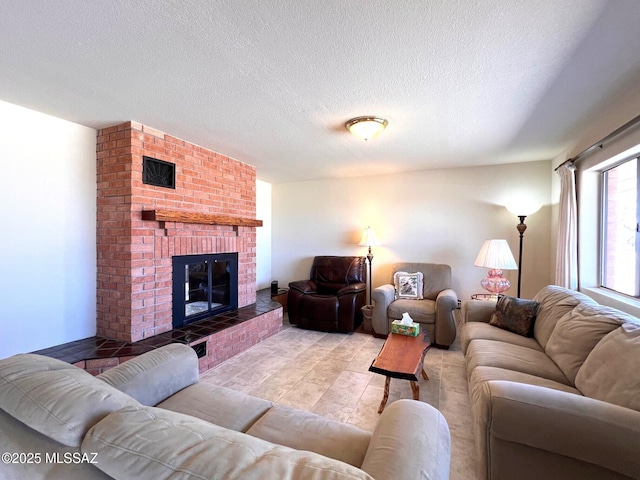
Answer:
x=494 y=282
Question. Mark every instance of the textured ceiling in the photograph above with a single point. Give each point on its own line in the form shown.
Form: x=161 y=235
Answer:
x=271 y=83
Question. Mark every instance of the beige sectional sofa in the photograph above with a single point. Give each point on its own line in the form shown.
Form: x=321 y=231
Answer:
x=150 y=418
x=562 y=404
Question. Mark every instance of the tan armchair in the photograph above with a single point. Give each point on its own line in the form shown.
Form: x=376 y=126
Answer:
x=434 y=312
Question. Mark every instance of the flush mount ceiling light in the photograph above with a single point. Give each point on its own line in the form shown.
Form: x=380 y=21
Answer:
x=366 y=127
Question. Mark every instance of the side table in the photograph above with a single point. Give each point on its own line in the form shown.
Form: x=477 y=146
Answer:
x=485 y=297
x=281 y=298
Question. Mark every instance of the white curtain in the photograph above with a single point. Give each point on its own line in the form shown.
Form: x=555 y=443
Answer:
x=567 y=246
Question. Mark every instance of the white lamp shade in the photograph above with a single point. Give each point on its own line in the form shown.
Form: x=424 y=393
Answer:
x=369 y=238
x=496 y=254
x=523 y=207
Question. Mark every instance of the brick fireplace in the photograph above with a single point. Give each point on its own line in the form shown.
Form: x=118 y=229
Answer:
x=140 y=227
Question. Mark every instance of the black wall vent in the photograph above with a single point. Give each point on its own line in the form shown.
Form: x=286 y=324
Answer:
x=200 y=349
x=158 y=172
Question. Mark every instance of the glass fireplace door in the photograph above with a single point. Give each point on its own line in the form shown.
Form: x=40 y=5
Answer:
x=196 y=288
x=203 y=285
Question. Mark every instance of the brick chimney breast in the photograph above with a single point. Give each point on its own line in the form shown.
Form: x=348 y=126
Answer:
x=134 y=296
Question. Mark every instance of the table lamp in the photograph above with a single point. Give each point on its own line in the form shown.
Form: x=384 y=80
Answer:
x=496 y=256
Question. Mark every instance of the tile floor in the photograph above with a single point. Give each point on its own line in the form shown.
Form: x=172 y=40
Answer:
x=327 y=373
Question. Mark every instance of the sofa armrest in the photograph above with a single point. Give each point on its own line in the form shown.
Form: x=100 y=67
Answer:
x=353 y=288
x=411 y=440
x=478 y=310
x=156 y=375
x=447 y=299
x=445 y=331
x=304 y=286
x=587 y=434
x=382 y=298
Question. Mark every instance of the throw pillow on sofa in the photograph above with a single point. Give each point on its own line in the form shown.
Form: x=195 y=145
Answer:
x=409 y=285
x=515 y=315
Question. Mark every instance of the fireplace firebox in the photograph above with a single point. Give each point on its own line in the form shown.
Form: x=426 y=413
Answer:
x=203 y=286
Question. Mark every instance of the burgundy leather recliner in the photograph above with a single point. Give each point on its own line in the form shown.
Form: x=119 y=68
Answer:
x=331 y=300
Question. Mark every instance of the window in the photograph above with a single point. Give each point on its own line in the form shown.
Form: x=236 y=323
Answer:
x=619 y=259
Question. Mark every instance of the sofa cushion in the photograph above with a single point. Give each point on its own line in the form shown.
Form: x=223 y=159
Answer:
x=153 y=376
x=55 y=398
x=307 y=431
x=219 y=405
x=515 y=315
x=610 y=373
x=152 y=443
x=486 y=374
x=436 y=277
x=421 y=311
x=477 y=310
x=577 y=332
x=554 y=302
x=492 y=353
x=481 y=330
x=331 y=273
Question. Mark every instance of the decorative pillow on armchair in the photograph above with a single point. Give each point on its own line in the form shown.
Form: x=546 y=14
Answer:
x=515 y=314
x=408 y=285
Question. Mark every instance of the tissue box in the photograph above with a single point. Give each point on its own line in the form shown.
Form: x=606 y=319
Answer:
x=410 y=330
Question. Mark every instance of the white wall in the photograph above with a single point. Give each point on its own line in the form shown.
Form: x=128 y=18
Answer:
x=48 y=240
x=611 y=116
x=440 y=216
x=263 y=235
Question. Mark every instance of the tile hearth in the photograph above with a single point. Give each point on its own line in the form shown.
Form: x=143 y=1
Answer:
x=100 y=353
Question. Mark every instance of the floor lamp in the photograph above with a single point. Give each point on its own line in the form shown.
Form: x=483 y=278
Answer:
x=521 y=228
x=521 y=211
x=369 y=240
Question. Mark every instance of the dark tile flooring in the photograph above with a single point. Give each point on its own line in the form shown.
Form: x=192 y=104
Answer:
x=100 y=347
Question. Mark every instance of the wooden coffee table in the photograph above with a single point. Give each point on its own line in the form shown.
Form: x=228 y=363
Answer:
x=402 y=357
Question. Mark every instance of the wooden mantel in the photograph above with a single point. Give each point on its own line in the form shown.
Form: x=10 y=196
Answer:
x=197 y=217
